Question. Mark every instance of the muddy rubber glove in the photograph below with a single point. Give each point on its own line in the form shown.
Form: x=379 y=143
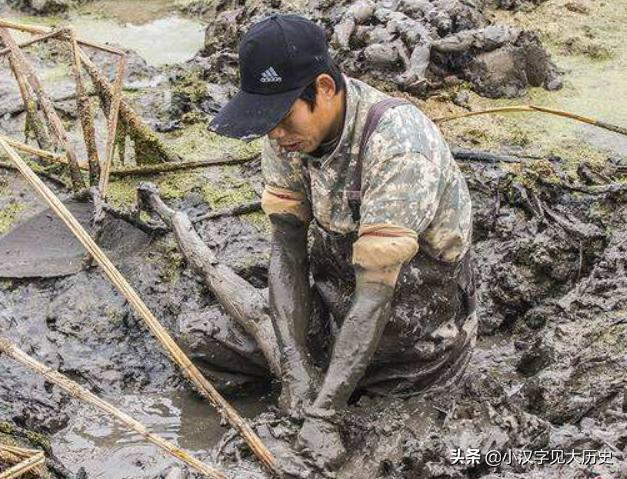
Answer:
x=289 y=289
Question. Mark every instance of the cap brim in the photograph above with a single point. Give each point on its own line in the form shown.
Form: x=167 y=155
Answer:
x=247 y=116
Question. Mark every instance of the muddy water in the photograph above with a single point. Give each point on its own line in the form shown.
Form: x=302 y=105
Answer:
x=178 y=38
x=107 y=450
x=151 y=28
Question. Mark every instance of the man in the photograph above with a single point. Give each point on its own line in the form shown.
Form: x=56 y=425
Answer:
x=391 y=310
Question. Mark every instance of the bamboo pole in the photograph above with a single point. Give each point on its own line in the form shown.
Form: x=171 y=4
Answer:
x=85 y=114
x=183 y=165
x=46 y=155
x=176 y=353
x=60 y=135
x=535 y=108
x=112 y=125
x=79 y=392
x=23 y=467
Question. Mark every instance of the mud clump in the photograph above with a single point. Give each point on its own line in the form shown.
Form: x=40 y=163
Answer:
x=519 y=4
x=41 y=7
x=414 y=45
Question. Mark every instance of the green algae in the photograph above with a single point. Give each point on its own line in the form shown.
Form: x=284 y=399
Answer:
x=5 y=427
x=8 y=216
x=195 y=142
x=258 y=220
x=38 y=440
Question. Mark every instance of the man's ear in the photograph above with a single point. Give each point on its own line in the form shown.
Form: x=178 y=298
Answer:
x=325 y=86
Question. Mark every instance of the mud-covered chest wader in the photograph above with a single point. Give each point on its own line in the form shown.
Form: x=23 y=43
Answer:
x=432 y=330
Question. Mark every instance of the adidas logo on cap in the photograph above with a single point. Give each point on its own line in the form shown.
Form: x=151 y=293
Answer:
x=270 y=75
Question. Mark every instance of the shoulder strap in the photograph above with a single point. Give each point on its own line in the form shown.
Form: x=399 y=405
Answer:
x=372 y=121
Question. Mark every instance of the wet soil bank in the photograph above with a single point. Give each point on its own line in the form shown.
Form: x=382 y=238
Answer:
x=547 y=374
x=550 y=243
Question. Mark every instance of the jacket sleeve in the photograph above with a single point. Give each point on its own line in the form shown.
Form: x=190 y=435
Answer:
x=400 y=196
x=284 y=190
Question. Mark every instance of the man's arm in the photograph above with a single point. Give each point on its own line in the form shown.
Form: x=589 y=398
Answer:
x=290 y=302
x=378 y=256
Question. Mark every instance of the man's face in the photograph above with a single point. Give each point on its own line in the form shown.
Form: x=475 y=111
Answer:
x=300 y=130
x=303 y=130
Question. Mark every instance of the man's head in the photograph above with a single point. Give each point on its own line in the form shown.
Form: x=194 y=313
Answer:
x=289 y=86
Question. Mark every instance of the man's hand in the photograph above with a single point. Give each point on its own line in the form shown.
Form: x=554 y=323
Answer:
x=353 y=350
x=319 y=439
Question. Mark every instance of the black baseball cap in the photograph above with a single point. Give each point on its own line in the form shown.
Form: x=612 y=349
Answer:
x=278 y=58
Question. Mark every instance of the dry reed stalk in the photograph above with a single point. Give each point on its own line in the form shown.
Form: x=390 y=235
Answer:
x=79 y=392
x=85 y=114
x=25 y=466
x=527 y=108
x=175 y=352
x=18 y=451
x=112 y=125
x=184 y=165
x=46 y=155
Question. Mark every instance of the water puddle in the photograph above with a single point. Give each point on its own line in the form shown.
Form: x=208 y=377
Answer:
x=153 y=29
x=178 y=38
x=108 y=450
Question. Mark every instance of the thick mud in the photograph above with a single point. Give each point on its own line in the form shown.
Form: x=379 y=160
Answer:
x=546 y=382
x=548 y=373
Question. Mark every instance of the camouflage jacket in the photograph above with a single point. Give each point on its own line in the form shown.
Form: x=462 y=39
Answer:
x=412 y=190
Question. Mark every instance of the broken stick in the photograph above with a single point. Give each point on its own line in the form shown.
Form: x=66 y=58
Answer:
x=46 y=155
x=175 y=352
x=25 y=466
x=112 y=125
x=183 y=165
x=85 y=114
x=79 y=392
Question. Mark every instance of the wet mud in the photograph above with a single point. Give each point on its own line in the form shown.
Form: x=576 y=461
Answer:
x=550 y=247
x=548 y=372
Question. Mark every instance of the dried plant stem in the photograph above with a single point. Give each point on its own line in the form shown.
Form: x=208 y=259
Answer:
x=184 y=165
x=112 y=124
x=536 y=108
x=85 y=114
x=24 y=466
